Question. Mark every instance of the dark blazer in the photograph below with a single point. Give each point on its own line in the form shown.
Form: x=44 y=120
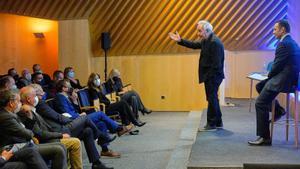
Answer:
x=41 y=129
x=211 y=62
x=284 y=72
x=62 y=104
x=11 y=129
x=54 y=119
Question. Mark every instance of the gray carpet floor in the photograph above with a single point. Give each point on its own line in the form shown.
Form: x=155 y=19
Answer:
x=228 y=146
x=152 y=148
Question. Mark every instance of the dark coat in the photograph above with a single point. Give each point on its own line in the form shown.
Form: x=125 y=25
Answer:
x=211 y=62
x=284 y=72
x=11 y=129
x=54 y=119
x=41 y=129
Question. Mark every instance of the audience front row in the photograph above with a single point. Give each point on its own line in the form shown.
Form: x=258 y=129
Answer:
x=38 y=135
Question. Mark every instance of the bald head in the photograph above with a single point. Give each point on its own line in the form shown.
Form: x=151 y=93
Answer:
x=28 y=94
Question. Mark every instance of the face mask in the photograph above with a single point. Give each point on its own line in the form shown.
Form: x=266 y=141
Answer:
x=28 y=76
x=97 y=82
x=38 y=71
x=18 y=108
x=14 y=86
x=36 y=101
x=71 y=74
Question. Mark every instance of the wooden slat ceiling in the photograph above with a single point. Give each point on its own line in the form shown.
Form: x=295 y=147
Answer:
x=140 y=27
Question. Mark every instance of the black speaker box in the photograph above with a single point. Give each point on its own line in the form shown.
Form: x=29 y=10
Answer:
x=105 y=41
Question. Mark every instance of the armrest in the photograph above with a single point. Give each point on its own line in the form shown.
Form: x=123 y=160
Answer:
x=102 y=105
x=86 y=108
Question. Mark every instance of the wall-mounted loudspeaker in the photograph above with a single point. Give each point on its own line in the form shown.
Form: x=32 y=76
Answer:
x=105 y=41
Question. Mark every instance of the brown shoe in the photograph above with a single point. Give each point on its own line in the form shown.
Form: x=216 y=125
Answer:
x=125 y=130
x=111 y=153
x=129 y=127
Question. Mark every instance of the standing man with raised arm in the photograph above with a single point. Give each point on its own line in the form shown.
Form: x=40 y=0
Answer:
x=211 y=65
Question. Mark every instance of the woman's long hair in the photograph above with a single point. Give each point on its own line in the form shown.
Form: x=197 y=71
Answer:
x=90 y=82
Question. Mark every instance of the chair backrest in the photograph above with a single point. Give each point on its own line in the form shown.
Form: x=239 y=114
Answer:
x=84 y=97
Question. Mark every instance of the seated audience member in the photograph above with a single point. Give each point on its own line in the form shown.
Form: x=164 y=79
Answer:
x=64 y=104
x=70 y=75
x=81 y=127
x=25 y=79
x=283 y=77
x=13 y=133
x=96 y=95
x=42 y=130
x=37 y=78
x=7 y=82
x=114 y=83
x=36 y=68
x=13 y=73
x=57 y=76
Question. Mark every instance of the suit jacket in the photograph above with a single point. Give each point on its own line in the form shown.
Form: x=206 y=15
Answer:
x=284 y=72
x=63 y=105
x=41 y=129
x=12 y=130
x=211 y=62
x=54 y=119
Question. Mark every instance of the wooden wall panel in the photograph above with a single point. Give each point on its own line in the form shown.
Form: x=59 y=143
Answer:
x=153 y=76
x=74 y=46
x=20 y=49
x=141 y=27
x=238 y=65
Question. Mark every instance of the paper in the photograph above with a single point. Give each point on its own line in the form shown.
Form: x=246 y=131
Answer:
x=257 y=76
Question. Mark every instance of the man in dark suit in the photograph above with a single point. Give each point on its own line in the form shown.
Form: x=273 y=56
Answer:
x=211 y=65
x=282 y=78
x=13 y=133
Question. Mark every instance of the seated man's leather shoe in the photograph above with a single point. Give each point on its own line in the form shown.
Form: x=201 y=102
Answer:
x=135 y=132
x=147 y=111
x=139 y=124
x=110 y=153
x=260 y=141
x=100 y=165
x=125 y=130
x=279 y=113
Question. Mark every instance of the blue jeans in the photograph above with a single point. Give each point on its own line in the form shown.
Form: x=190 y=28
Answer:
x=103 y=123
